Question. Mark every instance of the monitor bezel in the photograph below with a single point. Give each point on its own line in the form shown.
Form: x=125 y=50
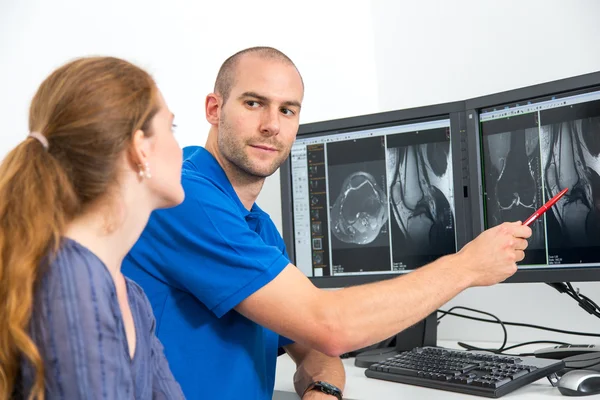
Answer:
x=453 y=111
x=473 y=108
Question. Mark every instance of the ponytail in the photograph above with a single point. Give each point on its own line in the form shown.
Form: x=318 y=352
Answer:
x=36 y=201
x=82 y=118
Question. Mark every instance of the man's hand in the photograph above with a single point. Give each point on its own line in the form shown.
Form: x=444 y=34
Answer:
x=492 y=256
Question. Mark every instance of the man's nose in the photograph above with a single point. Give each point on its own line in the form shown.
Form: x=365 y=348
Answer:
x=270 y=122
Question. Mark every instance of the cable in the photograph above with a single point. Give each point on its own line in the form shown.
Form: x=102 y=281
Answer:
x=567 y=288
x=469 y=347
x=519 y=324
x=503 y=348
x=503 y=351
x=444 y=313
x=584 y=302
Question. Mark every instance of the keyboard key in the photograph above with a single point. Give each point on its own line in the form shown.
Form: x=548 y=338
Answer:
x=501 y=382
x=403 y=371
x=519 y=374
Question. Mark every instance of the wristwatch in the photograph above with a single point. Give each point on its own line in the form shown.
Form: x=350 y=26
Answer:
x=324 y=387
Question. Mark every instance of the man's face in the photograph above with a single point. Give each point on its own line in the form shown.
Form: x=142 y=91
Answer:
x=259 y=120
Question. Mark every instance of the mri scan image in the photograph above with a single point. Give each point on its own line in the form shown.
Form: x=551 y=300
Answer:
x=570 y=154
x=357 y=206
x=513 y=180
x=421 y=199
x=360 y=210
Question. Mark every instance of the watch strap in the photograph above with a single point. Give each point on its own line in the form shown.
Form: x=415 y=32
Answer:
x=324 y=387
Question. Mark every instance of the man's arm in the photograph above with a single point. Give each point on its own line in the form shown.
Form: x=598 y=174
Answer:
x=315 y=366
x=335 y=322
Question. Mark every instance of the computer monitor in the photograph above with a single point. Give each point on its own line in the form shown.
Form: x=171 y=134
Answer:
x=371 y=197
x=525 y=146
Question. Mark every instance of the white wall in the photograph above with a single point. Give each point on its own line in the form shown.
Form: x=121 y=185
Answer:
x=356 y=57
x=183 y=43
x=435 y=51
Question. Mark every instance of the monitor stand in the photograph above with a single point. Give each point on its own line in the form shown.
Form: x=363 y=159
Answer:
x=421 y=334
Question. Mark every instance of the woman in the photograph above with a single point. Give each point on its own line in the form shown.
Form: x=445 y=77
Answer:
x=74 y=197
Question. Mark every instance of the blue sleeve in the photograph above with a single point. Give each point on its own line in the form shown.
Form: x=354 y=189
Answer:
x=283 y=341
x=204 y=246
x=80 y=335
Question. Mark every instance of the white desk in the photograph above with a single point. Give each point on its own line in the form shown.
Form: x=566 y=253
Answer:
x=359 y=387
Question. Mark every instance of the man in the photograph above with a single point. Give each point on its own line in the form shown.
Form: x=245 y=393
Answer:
x=216 y=270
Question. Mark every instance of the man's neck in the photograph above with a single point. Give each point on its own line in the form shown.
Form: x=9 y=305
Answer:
x=246 y=191
x=246 y=187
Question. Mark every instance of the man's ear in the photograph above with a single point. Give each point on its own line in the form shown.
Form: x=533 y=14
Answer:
x=212 y=107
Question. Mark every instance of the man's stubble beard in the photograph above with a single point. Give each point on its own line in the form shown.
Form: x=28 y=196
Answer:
x=234 y=152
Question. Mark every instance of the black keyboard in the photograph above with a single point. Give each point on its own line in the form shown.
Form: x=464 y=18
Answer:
x=480 y=374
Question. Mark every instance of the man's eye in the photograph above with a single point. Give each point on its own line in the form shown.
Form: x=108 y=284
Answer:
x=252 y=103
x=287 y=111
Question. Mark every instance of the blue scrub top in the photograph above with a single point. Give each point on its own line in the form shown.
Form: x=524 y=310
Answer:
x=196 y=262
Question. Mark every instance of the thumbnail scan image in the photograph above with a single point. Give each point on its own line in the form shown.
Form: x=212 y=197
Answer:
x=359 y=210
x=571 y=159
x=513 y=180
x=421 y=199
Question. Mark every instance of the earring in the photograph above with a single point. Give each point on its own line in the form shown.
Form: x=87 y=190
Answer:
x=147 y=171
x=142 y=172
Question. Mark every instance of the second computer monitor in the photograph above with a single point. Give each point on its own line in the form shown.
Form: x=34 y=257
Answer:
x=531 y=149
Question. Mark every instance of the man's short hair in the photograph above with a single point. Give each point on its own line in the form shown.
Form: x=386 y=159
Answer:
x=226 y=76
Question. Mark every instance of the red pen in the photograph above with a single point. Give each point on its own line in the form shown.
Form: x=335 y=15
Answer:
x=544 y=208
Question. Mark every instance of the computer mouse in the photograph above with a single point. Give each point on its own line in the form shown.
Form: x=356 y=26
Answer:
x=580 y=382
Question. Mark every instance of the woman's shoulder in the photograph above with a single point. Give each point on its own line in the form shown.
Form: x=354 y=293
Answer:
x=74 y=273
x=73 y=259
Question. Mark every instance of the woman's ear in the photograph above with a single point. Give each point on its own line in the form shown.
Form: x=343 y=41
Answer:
x=139 y=154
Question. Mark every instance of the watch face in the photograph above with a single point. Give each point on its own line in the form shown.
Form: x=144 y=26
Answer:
x=329 y=388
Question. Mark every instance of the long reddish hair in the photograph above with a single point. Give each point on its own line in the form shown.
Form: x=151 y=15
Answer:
x=88 y=111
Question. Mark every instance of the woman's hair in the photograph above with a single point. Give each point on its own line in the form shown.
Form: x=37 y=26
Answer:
x=88 y=111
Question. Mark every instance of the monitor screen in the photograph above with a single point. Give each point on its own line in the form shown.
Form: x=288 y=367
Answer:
x=531 y=150
x=372 y=201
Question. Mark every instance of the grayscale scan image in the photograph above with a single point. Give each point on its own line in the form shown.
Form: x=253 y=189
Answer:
x=513 y=180
x=421 y=201
x=571 y=158
x=360 y=209
x=358 y=206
